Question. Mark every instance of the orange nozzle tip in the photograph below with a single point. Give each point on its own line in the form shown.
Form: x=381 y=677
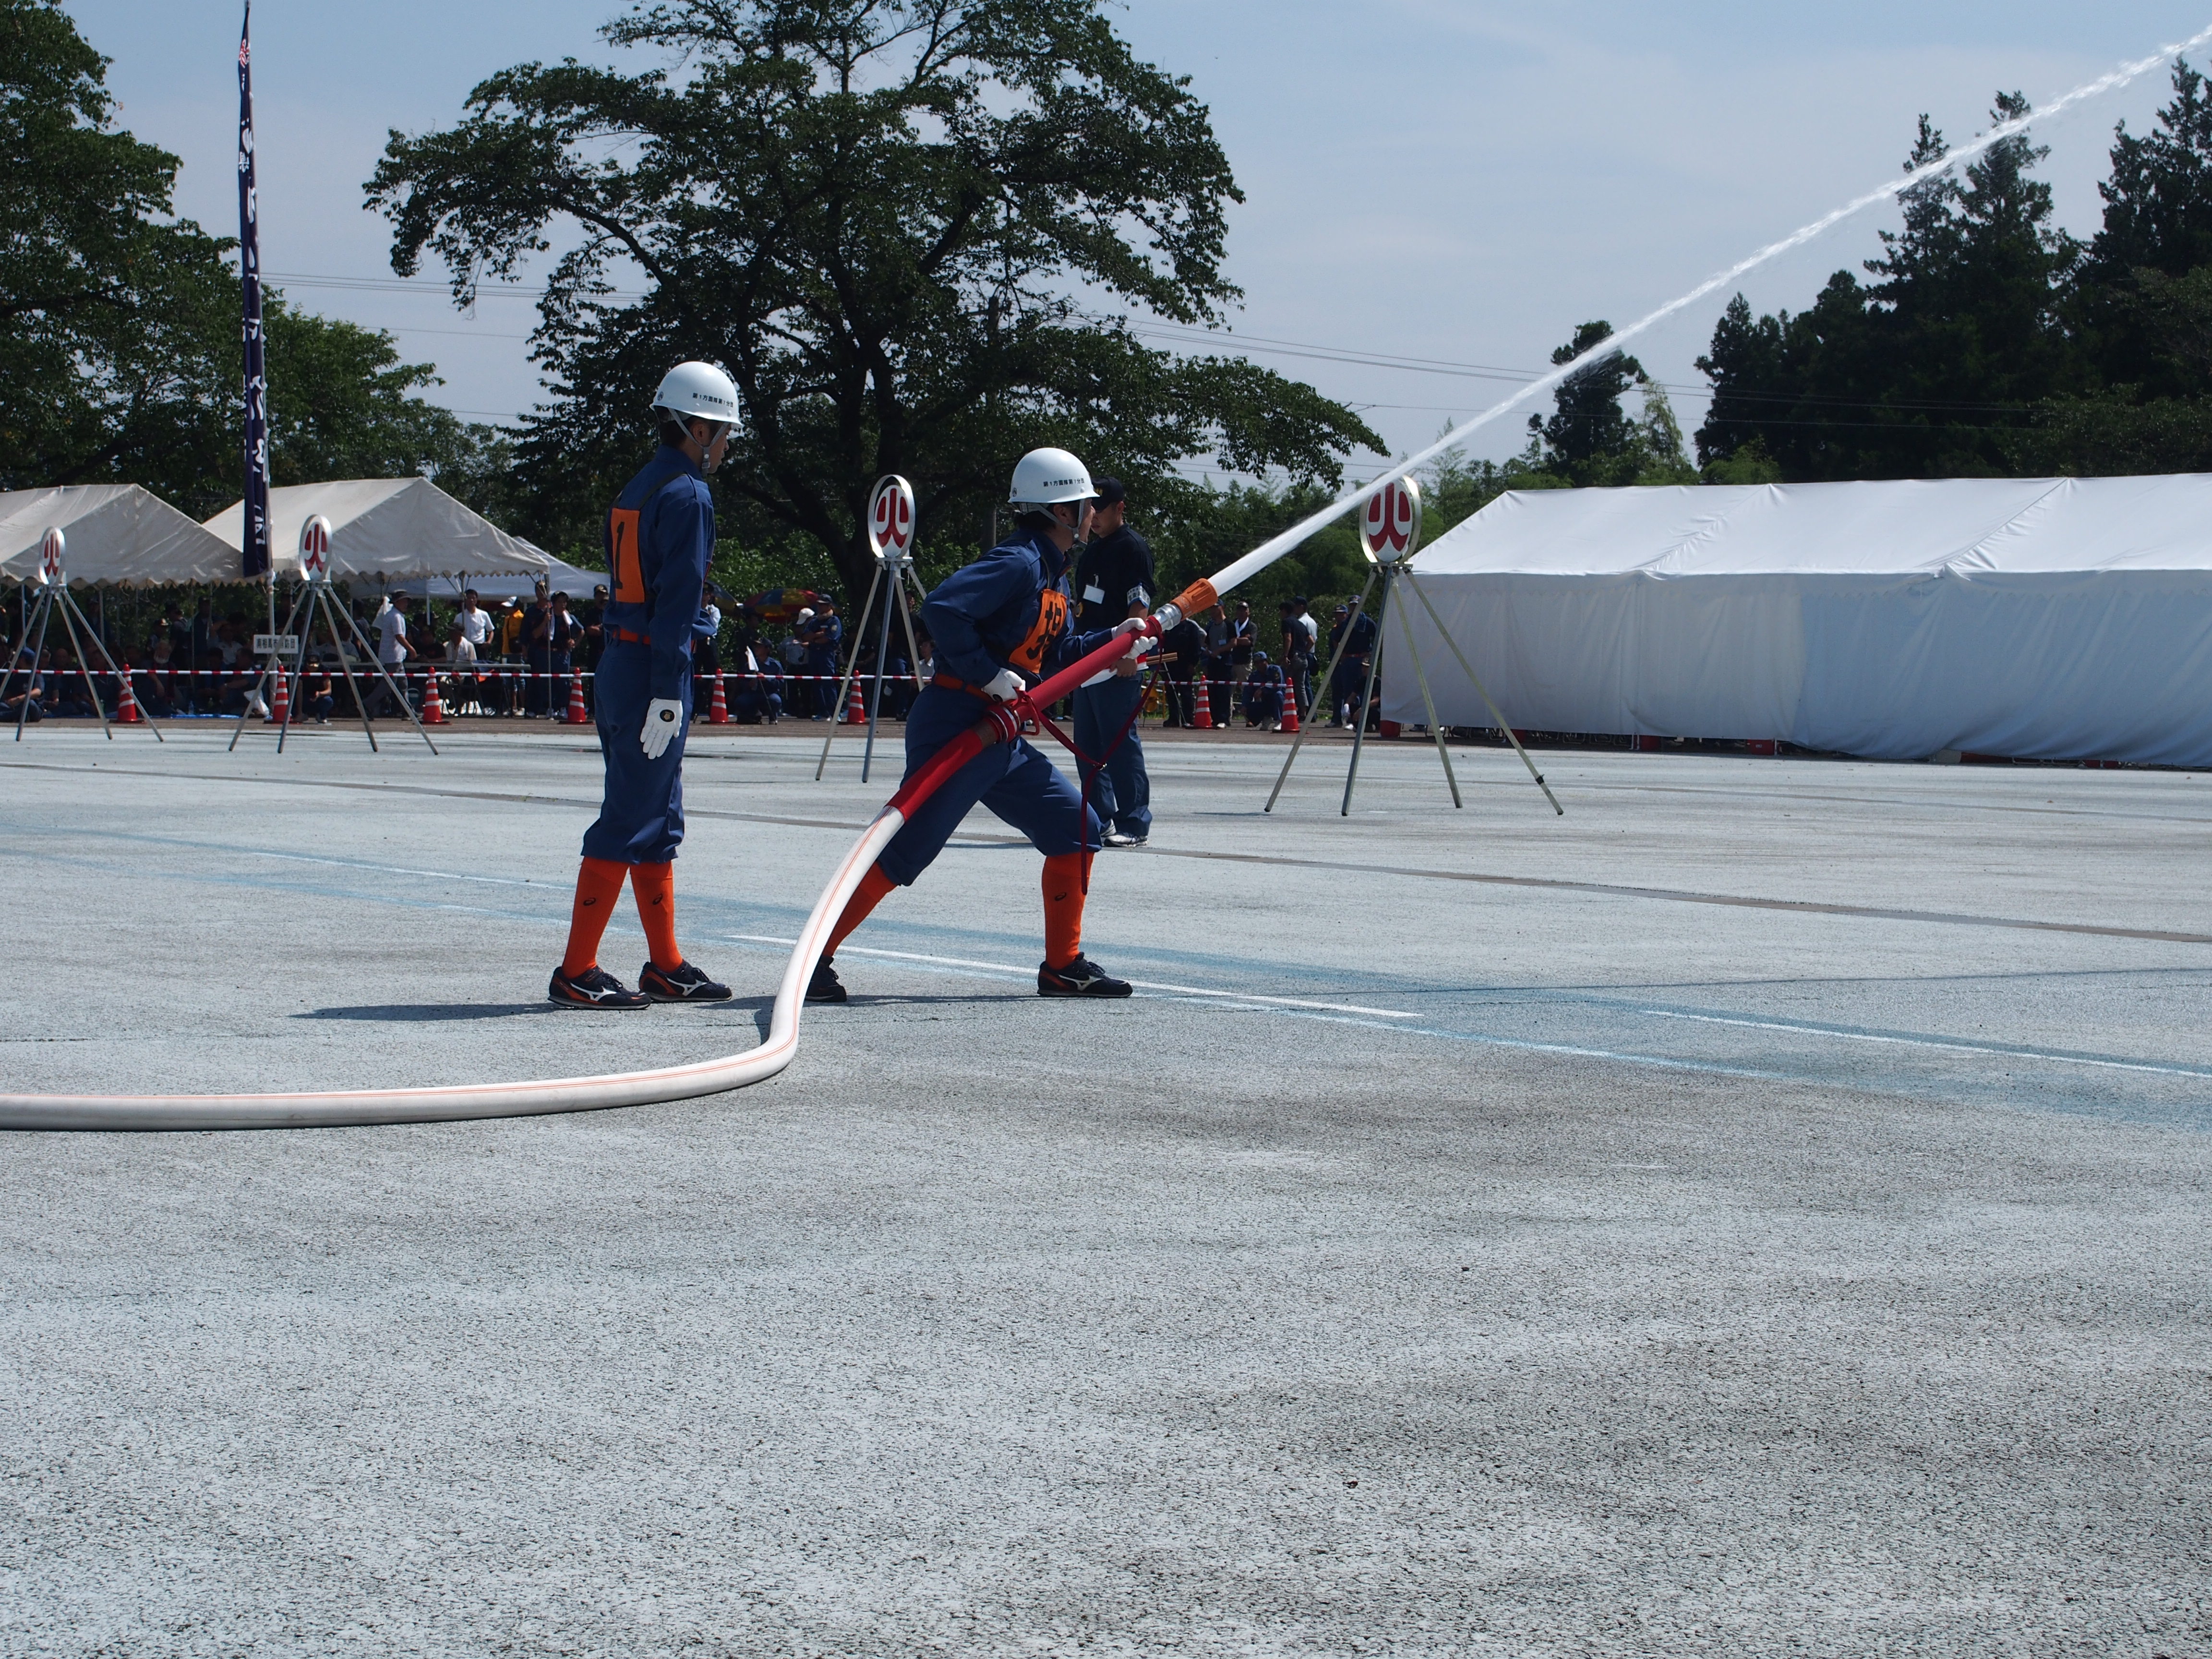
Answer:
x=1199 y=596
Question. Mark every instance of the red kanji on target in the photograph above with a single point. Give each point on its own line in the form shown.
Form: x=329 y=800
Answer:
x=315 y=547
x=891 y=516
x=1387 y=525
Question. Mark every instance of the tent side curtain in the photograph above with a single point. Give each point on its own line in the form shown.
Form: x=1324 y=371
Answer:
x=119 y=534
x=2057 y=619
x=394 y=529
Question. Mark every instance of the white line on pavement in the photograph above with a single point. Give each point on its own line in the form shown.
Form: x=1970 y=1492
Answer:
x=1931 y=1042
x=1141 y=984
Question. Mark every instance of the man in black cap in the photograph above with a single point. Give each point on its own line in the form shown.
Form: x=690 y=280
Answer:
x=1114 y=579
x=1300 y=632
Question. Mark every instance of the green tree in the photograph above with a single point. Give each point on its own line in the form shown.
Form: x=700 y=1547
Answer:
x=1588 y=439
x=2141 y=309
x=104 y=306
x=120 y=357
x=916 y=233
x=1924 y=372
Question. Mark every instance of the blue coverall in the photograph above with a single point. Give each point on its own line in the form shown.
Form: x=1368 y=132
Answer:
x=1119 y=570
x=659 y=536
x=1008 y=609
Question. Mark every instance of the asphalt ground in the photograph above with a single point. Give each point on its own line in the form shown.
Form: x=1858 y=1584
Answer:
x=1764 y=1211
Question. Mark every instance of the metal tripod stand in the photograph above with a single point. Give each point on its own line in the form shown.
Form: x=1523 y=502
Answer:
x=890 y=538
x=314 y=599
x=1390 y=532
x=54 y=596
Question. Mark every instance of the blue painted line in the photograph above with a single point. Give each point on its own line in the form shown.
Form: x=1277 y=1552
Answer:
x=746 y=924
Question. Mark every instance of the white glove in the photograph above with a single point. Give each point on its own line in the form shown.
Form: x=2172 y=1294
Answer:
x=663 y=718
x=1128 y=667
x=1006 y=685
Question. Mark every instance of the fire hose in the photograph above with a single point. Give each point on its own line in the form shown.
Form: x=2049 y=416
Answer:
x=352 y=1108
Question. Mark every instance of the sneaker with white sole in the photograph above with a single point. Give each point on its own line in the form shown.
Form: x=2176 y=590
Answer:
x=595 y=987
x=682 y=983
x=1123 y=838
x=1080 y=978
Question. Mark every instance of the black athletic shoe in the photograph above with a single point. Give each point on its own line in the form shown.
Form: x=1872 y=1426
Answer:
x=1080 y=978
x=595 y=987
x=824 y=987
x=682 y=983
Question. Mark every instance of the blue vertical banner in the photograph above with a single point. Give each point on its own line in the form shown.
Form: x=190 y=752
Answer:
x=255 y=543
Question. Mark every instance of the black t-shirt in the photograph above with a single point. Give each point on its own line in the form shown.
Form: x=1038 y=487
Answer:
x=1117 y=569
x=1243 y=635
x=1186 y=641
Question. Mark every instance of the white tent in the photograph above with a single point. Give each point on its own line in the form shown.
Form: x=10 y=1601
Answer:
x=117 y=533
x=559 y=577
x=391 y=528
x=2056 y=618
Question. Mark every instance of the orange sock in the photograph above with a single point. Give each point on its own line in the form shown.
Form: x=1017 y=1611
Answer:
x=655 y=887
x=1063 y=909
x=598 y=884
x=875 y=887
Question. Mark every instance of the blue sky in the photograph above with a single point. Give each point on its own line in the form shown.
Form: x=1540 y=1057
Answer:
x=1454 y=181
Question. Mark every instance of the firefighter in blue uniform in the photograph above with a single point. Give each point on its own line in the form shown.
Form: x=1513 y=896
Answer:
x=660 y=537
x=1001 y=625
x=1114 y=579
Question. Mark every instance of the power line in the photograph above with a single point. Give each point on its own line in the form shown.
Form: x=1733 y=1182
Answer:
x=1268 y=345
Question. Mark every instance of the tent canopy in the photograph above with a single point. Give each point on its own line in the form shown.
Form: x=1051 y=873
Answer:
x=118 y=533
x=2058 y=618
x=391 y=528
x=559 y=577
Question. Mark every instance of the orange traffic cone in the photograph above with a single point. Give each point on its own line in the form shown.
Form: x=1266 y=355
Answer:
x=126 y=711
x=434 y=706
x=278 y=709
x=1289 y=722
x=717 y=712
x=856 y=712
x=1202 y=718
x=577 y=714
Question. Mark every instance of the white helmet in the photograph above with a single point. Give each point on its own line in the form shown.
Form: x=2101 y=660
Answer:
x=1045 y=476
x=699 y=390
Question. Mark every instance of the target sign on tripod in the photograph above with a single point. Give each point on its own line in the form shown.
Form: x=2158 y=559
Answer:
x=50 y=555
x=1390 y=523
x=315 y=548
x=890 y=518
